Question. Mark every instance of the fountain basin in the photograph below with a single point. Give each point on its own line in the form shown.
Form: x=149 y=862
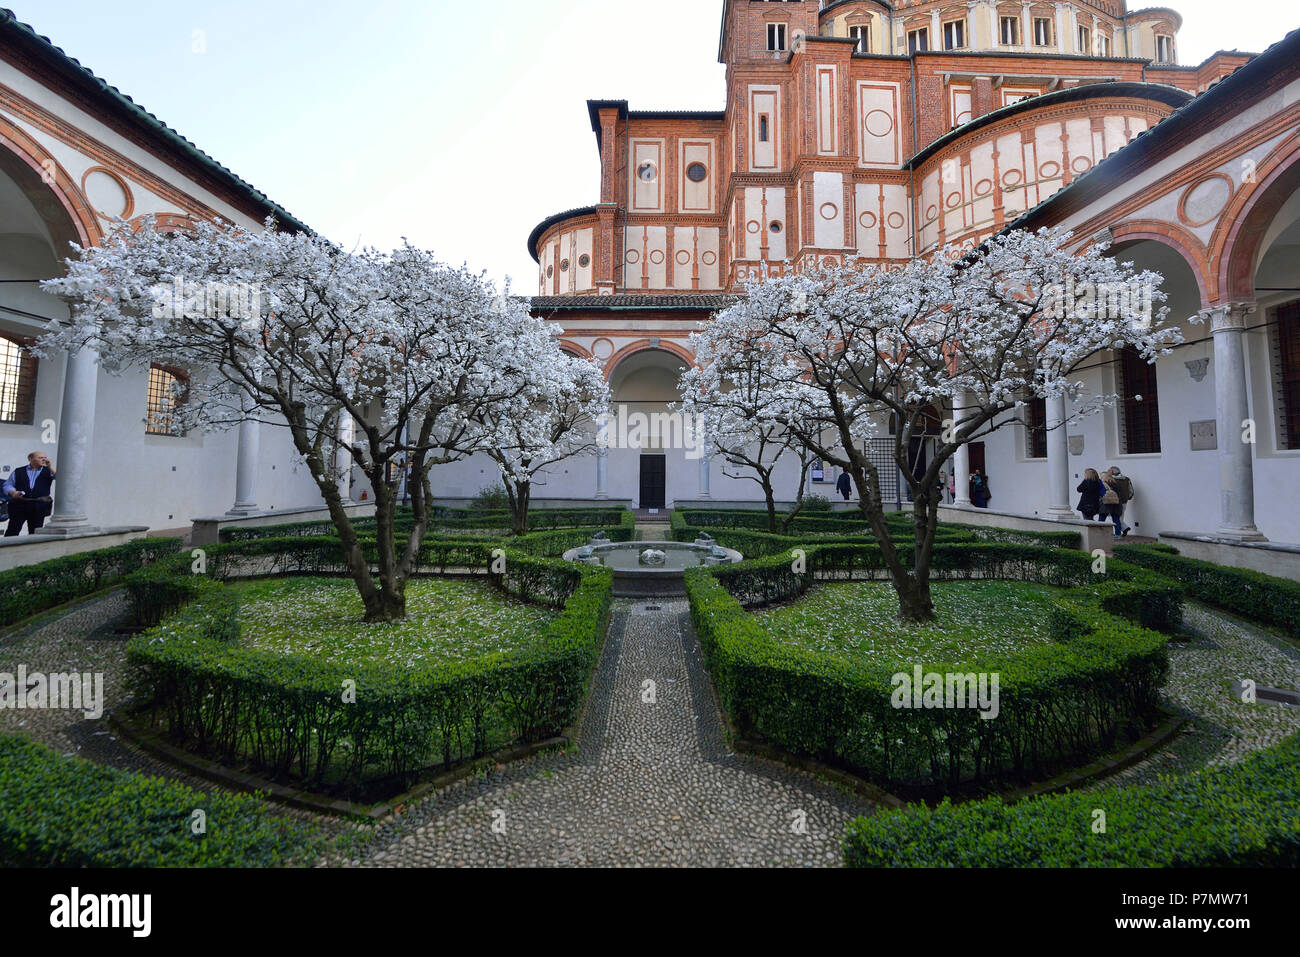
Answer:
x=634 y=579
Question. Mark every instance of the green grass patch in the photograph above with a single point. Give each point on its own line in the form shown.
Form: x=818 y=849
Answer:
x=448 y=621
x=976 y=621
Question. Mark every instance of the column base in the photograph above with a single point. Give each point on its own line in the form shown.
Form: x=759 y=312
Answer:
x=1248 y=534
x=961 y=503
x=1061 y=514
x=602 y=496
x=66 y=529
x=242 y=510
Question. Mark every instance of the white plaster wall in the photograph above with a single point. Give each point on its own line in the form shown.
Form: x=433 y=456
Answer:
x=165 y=481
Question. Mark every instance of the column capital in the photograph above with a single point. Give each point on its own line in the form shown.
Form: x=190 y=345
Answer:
x=1228 y=316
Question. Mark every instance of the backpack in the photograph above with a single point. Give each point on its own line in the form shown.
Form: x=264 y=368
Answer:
x=1123 y=488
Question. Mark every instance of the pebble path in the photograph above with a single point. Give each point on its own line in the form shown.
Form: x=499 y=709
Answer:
x=651 y=782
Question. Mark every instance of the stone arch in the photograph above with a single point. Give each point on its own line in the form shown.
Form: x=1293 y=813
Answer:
x=1175 y=237
x=1244 y=223
x=642 y=345
x=574 y=349
x=49 y=188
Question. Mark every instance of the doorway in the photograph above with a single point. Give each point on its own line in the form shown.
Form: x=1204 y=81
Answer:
x=654 y=481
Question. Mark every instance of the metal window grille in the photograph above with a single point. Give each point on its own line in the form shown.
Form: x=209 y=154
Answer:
x=17 y=382
x=167 y=390
x=880 y=453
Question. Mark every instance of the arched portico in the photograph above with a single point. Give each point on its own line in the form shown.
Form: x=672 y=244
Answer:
x=1190 y=249
x=1256 y=327
x=43 y=212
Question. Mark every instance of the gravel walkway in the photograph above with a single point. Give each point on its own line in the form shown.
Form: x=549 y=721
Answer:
x=1221 y=648
x=649 y=784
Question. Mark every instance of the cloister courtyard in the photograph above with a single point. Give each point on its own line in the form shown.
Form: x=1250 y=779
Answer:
x=892 y=470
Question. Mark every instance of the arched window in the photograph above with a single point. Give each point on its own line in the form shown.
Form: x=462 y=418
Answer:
x=168 y=390
x=17 y=381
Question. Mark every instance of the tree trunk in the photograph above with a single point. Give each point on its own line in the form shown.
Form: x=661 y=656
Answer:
x=914 y=604
x=388 y=602
x=769 y=496
x=520 y=501
x=353 y=555
x=386 y=605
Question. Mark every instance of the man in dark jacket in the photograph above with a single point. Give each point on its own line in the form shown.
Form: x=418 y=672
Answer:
x=844 y=485
x=27 y=491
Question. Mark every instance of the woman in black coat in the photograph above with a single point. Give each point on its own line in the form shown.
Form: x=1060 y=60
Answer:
x=1091 y=489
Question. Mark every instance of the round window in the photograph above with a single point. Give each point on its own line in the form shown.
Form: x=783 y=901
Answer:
x=584 y=261
x=647 y=172
x=775 y=227
x=697 y=172
x=564 y=265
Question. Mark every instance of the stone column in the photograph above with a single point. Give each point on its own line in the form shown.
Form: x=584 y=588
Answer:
x=1058 y=461
x=76 y=428
x=961 y=458
x=249 y=455
x=602 y=473
x=343 y=458
x=704 y=476
x=1236 y=456
x=602 y=456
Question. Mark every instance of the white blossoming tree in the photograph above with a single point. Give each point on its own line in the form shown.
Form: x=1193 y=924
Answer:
x=728 y=392
x=527 y=442
x=845 y=352
x=290 y=330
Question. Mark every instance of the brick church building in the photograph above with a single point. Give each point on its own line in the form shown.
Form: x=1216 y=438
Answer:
x=865 y=130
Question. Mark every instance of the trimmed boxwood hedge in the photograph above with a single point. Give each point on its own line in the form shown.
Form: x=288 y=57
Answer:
x=287 y=715
x=58 y=811
x=1251 y=594
x=756 y=520
x=538 y=520
x=32 y=589
x=1096 y=683
x=756 y=544
x=1243 y=815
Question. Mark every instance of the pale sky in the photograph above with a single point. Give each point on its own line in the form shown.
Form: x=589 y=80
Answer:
x=457 y=125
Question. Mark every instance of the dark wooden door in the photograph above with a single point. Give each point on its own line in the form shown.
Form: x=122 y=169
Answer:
x=654 y=480
x=977 y=458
